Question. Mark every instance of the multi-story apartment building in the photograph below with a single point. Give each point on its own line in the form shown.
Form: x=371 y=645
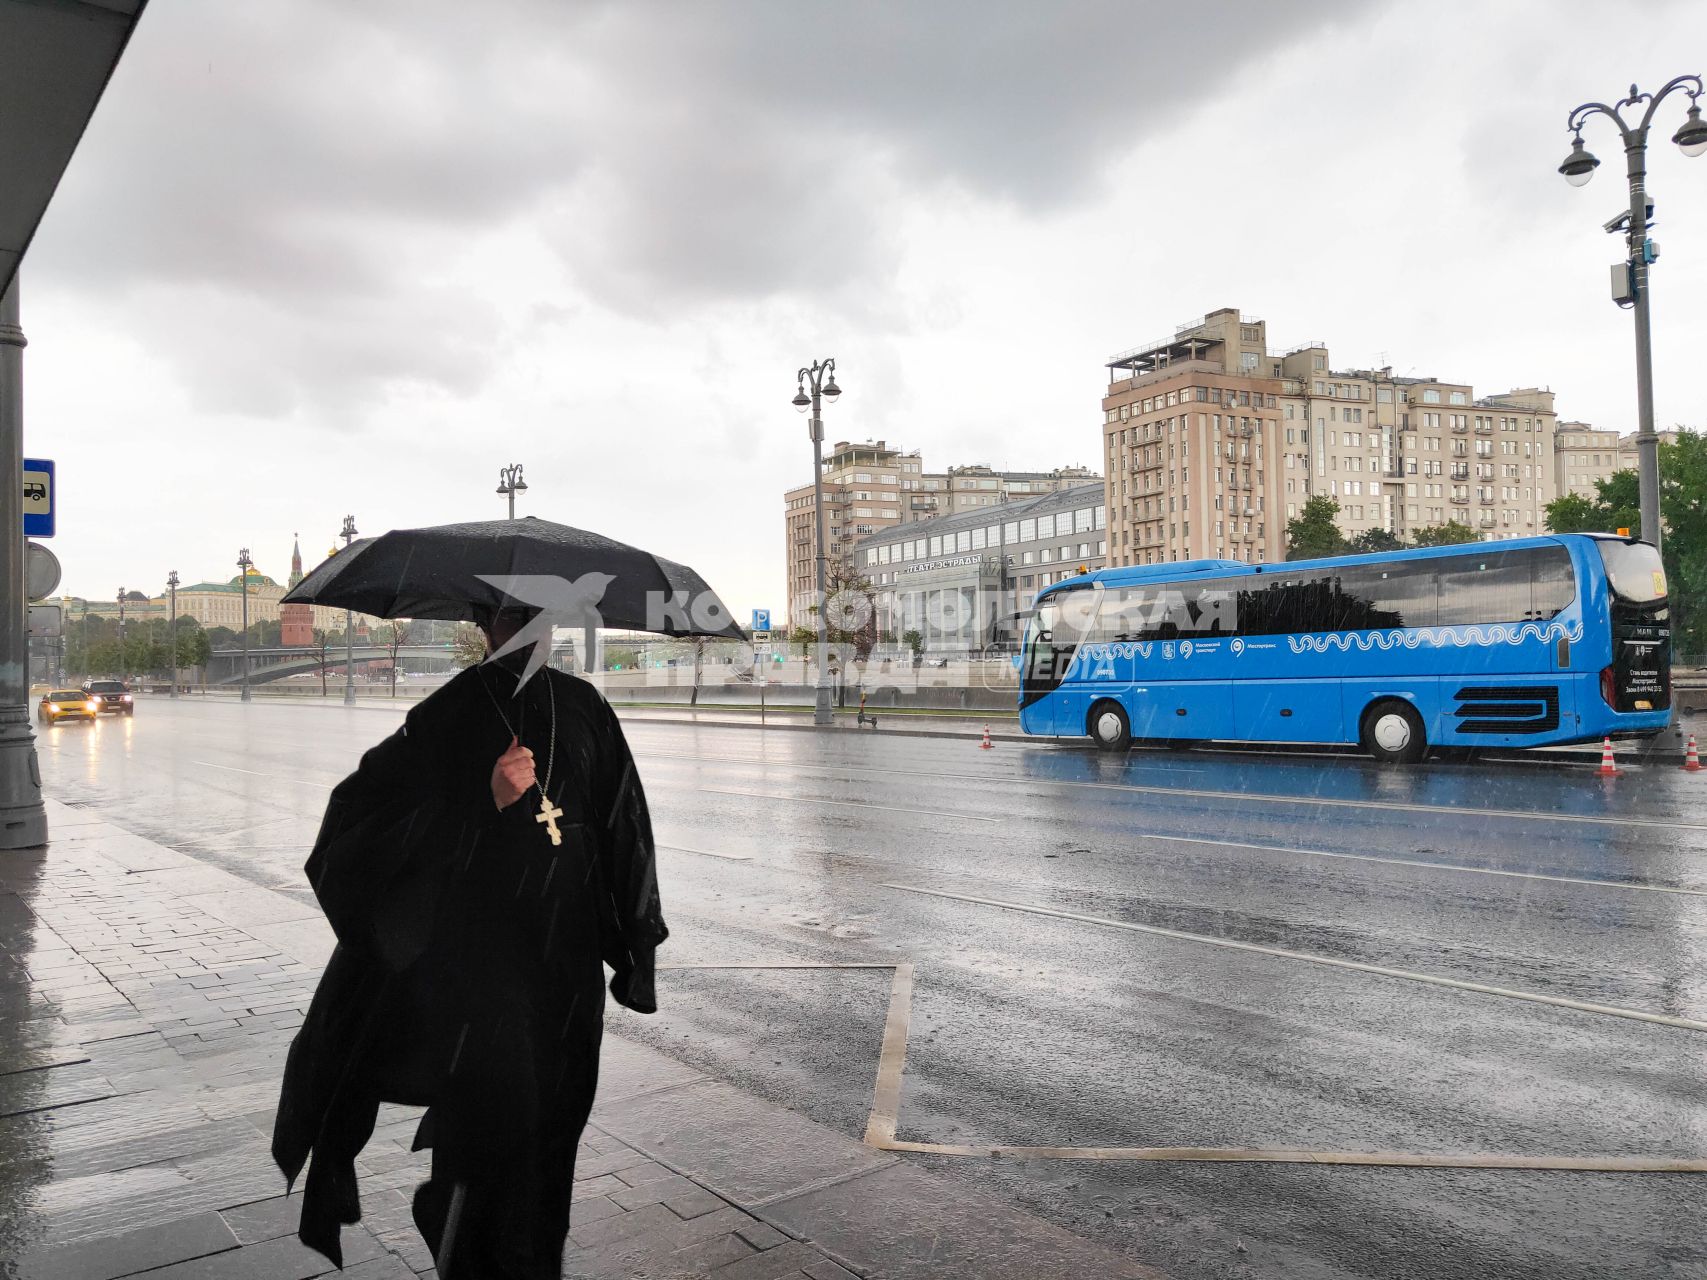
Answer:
x=867 y=487
x=1213 y=444
x=1583 y=455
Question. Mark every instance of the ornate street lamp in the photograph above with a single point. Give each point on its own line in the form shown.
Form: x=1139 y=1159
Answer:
x=348 y=533
x=172 y=593
x=1630 y=285
x=510 y=483
x=821 y=378
x=244 y=564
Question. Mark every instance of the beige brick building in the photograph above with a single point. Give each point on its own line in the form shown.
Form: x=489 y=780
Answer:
x=867 y=488
x=1212 y=444
x=1584 y=455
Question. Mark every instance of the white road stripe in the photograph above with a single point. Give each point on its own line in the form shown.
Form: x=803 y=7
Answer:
x=264 y=773
x=708 y=853
x=852 y=804
x=1582 y=1006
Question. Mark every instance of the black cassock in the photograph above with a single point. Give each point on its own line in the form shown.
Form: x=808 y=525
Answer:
x=468 y=975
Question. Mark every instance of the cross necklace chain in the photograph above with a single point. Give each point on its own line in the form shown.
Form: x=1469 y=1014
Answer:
x=548 y=812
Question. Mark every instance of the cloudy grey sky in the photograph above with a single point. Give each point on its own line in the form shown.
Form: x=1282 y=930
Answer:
x=320 y=257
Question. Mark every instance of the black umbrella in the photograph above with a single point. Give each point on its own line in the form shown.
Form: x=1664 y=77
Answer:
x=458 y=571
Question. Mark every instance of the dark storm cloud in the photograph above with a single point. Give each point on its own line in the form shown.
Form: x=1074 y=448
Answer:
x=300 y=177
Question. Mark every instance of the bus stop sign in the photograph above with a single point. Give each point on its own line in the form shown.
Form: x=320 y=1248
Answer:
x=39 y=498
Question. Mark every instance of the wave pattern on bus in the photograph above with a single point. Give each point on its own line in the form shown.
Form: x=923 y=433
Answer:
x=1437 y=636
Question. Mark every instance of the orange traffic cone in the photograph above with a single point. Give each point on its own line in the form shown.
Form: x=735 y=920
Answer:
x=1607 y=768
x=986 y=744
x=1691 y=757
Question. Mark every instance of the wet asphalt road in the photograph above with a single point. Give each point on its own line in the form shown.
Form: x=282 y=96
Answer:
x=787 y=847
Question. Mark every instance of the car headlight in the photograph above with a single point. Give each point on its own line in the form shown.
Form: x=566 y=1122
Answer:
x=91 y=706
x=127 y=697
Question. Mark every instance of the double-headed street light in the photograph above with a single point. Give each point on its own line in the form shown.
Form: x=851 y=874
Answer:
x=172 y=608
x=123 y=664
x=510 y=483
x=1630 y=278
x=821 y=378
x=348 y=534
x=244 y=564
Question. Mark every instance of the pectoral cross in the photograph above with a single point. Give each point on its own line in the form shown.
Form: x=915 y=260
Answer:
x=549 y=814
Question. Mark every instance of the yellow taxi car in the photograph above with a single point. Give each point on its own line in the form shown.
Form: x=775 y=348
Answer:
x=66 y=704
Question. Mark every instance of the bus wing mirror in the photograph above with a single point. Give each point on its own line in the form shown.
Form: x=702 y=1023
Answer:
x=1017 y=661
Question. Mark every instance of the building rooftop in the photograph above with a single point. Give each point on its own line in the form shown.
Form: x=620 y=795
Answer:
x=1021 y=509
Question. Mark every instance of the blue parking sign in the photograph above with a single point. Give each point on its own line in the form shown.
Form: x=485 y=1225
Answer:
x=39 y=498
x=761 y=619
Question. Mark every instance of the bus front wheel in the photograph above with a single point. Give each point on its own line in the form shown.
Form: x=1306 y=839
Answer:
x=1393 y=732
x=1109 y=727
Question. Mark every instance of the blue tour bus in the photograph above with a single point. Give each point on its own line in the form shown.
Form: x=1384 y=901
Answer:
x=1523 y=643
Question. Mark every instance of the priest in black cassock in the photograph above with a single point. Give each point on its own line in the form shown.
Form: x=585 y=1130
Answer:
x=479 y=869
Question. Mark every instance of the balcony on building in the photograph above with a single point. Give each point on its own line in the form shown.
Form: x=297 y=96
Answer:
x=1460 y=429
x=1460 y=473
x=1459 y=498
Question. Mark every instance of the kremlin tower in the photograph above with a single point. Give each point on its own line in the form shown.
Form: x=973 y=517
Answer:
x=296 y=621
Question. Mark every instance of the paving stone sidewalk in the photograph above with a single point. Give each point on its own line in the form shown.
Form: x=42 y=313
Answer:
x=147 y=1002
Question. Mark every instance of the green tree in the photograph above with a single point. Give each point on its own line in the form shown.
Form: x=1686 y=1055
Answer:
x=468 y=645
x=1616 y=505
x=1683 y=509
x=1313 y=532
x=1372 y=540
x=1574 y=513
x=803 y=638
x=221 y=638
x=914 y=640
x=1444 y=535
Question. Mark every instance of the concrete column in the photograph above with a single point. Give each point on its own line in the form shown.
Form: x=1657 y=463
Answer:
x=23 y=821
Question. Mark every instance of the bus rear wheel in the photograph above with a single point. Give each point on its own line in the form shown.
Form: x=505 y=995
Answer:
x=1109 y=728
x=1393 y=732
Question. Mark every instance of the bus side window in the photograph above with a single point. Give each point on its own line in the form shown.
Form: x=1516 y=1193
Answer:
x=1553 y=582
x=1489 y=587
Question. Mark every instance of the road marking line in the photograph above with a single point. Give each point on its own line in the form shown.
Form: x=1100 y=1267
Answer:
x=1435 y=866
x=795 y=964
x=259 y=773
x=709 y=853
x=1581 y=1006
x=1528 y=815
x=1280 y=1155
x=851 y=804
x=886 y=1096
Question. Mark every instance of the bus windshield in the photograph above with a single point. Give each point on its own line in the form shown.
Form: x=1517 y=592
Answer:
x=1634 y=571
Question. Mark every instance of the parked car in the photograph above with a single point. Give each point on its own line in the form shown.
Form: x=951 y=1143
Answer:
x=66 y=704
x=113 y=696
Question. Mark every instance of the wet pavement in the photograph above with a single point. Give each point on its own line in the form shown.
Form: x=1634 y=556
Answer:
x=1171 y=950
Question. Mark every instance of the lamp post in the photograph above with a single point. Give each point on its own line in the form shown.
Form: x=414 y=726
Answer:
x=244 y=564
x=1630 y=287
x=348 y=533
x=172 y=593
x=124 y=661
x=510 y=483
x=821 y=377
